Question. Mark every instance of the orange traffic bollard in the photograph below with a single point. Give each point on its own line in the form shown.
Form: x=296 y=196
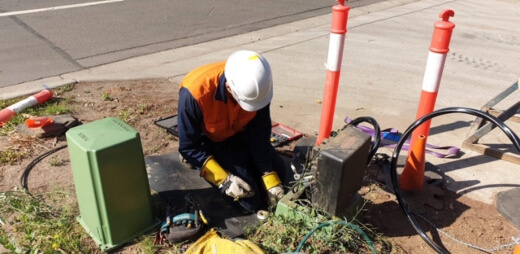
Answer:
x=412 y=178
x=7 y=113
x=439 y=48
x=334 y=58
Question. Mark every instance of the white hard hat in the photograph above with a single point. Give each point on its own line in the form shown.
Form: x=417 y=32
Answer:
x=249 y=77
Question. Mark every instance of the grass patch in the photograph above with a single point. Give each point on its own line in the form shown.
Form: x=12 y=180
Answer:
x=6 y=103
x=56 y=161
x=35 y=227
x=11 y=156
x=142 y=107
x=125 y=115
x=146 y=244
x=62 y=89
x=106 y=97
x=284 y=234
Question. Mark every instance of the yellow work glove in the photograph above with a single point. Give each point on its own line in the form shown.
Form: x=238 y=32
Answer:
x=274 y=187
x=230 y=184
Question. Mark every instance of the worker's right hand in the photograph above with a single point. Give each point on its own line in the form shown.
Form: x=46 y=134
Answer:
x=230 y=184
x=274 y=187
x=236 y=188
x=274 y=195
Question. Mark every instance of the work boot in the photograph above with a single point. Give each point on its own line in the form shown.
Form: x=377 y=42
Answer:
x=185 y=162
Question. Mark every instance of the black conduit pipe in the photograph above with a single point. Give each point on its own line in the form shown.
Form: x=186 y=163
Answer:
x=393 y=170
x=377 y=130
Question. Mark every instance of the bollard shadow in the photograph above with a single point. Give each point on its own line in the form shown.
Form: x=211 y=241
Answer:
x=465 y=186
x=449 y=127
x=462 y=164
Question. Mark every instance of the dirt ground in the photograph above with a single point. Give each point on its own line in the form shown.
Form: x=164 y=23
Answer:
x=141 y=103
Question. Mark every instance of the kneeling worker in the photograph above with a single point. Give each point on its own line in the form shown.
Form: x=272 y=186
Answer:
x=224 y=126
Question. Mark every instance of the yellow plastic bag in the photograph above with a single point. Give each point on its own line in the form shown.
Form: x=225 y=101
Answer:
x=212 y=243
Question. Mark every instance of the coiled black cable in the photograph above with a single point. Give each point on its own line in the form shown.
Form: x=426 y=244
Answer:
x=27 y=170
x=377 y=130
x=393 y=170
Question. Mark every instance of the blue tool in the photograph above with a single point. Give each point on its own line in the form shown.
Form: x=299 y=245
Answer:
x=184 y=218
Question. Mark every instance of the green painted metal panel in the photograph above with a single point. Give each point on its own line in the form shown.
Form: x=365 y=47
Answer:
x=111 y=181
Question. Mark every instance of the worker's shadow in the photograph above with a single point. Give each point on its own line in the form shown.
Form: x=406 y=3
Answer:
x=172 y=181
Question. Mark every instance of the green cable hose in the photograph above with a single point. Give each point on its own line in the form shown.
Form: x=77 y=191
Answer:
x=344 y=223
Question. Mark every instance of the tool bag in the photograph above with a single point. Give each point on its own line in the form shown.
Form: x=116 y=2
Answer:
x=182 y=233
x=184 y=226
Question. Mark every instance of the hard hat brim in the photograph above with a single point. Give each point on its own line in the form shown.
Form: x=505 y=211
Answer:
x=257 y=105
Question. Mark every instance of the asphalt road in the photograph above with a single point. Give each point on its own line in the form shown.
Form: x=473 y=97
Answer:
x=36 y=43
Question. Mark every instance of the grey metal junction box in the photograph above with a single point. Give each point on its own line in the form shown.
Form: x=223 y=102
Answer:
x=341 y=165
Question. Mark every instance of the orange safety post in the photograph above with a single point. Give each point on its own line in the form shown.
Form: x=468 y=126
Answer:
x=413 y=177
x=335 y=56
x=7 y=113
x=439 y=48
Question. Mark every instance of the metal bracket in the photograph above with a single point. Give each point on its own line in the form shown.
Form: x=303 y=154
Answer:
x=480 y=127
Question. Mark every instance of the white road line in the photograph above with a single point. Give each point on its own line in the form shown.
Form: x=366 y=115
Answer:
x=57 y=8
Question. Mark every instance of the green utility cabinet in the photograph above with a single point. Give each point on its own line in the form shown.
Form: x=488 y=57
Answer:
x=111 y=181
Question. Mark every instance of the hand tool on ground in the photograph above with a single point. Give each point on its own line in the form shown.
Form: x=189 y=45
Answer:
x=199 y=215
x=184 y=219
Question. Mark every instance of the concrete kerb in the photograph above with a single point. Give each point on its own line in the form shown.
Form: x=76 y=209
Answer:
x=33 y=87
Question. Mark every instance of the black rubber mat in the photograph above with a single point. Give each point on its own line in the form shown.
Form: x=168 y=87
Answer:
x=508 y=204
x=173 y=181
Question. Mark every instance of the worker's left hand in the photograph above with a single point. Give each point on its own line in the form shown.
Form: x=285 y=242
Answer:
x=274 y=187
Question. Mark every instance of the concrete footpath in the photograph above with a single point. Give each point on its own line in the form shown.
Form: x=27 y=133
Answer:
x=384 y=60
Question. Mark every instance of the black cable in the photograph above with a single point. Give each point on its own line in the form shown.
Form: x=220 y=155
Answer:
x=27 y=170
x=377 y=130
x=393 y=170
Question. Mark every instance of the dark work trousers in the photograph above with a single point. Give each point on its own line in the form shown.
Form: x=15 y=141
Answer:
x=234 y=156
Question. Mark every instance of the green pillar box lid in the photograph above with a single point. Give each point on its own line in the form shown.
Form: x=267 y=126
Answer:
x=102 y=133
x=111 y=181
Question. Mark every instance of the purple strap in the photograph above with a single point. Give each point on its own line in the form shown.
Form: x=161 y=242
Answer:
x=392 y=134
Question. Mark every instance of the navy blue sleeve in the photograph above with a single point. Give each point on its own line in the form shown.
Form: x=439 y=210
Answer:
x=258 y=134
x=190 y=119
